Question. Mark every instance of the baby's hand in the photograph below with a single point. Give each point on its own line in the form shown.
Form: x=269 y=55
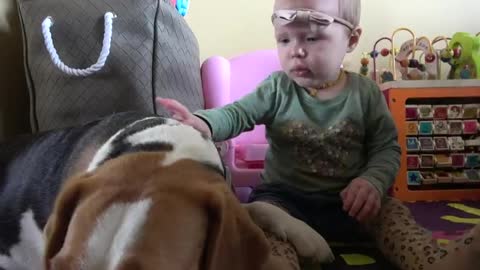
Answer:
x=182 y=114
x=361 y=200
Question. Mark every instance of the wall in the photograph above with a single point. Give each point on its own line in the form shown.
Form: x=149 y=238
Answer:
x=230 y=28
x=241 y=26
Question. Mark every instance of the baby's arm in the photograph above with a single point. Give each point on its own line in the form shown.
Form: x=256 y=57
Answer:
x=182 y=114
x=362 y=197
x=255 y=108
x=383 y=150
x=229 y=121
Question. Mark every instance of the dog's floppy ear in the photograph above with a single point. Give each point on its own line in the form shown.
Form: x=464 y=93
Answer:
x=56 y=228
x=234 y=242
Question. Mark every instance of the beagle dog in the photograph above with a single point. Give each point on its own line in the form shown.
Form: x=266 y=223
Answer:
x=132 y=192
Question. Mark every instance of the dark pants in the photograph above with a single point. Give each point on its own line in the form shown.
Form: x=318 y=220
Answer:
x=323 y=211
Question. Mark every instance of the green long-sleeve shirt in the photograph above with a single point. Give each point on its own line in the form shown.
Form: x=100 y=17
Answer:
x=316 y=145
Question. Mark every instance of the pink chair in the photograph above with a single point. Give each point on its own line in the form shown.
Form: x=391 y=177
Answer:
x=225 y=81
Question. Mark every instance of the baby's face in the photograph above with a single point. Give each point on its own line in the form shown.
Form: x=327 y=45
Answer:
x=311 y=55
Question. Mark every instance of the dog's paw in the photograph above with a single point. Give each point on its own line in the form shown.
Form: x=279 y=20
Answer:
x=308 y=242
x=266 y=217
x=278 y=230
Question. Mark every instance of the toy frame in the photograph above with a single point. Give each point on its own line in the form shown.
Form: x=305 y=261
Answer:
x=397 y=94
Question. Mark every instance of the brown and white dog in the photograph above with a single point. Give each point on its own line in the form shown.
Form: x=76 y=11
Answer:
x=132 y=192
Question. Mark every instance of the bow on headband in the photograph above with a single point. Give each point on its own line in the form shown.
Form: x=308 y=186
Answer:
x=286 y=16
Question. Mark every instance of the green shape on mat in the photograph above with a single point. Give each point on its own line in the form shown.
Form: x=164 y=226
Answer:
x=454 y=219
x=443 y=241
x=357 y=259
x=465 y=208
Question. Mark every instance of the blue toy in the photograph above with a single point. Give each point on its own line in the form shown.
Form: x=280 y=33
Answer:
x=182 y=6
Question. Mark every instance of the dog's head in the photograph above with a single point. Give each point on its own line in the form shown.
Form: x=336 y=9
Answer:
x=134 y=212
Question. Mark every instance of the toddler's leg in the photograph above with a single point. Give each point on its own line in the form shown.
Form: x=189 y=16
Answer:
x=307 y=242
x=410 y=246
x=276 y=209
x=283 y=256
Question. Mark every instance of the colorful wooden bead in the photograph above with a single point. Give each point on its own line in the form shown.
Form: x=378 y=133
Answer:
x=429 y=58
x=404 y=63
x=364 y=70
x=413 y=63
x=385 y=52
x=364 y=61
x=415 y=74
x=446 y=55
x=387 y=76
x=457 y=52
x=466 y=73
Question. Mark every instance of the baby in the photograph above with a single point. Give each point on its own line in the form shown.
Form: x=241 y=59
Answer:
x=333 y=151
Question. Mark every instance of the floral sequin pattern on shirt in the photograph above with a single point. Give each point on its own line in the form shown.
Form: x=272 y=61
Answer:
x=325 y=152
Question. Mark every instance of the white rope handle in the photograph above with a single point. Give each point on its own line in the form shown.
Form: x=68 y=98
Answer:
x=107 y=40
